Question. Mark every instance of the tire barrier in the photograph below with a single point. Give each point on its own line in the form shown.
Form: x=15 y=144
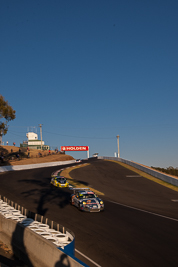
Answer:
x=60 y=239
x=33 y=249
x=14 y=219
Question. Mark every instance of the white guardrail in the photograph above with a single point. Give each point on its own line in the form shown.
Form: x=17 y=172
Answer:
x=164 y=177
x=34 y=166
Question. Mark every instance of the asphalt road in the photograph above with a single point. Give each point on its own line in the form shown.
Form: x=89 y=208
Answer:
x=137 y=228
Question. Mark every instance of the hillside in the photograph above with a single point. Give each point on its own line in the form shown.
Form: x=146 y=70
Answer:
x=10 y=154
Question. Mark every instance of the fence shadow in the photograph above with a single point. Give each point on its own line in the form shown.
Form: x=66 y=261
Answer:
x=63 y=261
x=18 y=238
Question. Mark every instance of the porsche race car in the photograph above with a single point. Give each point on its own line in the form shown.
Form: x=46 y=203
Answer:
x=86 y=200
x=59 y=181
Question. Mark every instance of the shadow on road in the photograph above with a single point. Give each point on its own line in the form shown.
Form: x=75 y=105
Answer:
x=43 y=193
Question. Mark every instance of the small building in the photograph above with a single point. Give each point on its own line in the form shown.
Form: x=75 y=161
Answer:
x=33 y=142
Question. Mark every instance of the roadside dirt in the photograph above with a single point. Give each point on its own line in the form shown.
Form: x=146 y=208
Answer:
x=35 y=156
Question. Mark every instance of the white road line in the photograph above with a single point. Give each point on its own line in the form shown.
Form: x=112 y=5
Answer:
x=145 y=211
x=87 y=258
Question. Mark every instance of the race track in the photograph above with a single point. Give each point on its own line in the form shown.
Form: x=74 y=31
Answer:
x=137 y=228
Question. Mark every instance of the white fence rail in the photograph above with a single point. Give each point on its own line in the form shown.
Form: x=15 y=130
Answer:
x=34 y=166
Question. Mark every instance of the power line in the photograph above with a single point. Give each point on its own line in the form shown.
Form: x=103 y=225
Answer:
x=87 y=137
x=10 y=132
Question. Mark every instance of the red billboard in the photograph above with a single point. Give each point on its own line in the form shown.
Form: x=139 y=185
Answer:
x=74 y=148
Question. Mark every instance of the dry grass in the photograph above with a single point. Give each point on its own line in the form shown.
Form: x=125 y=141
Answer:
x=34 y=156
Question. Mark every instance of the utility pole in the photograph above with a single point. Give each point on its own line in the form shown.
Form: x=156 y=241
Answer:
x=0 y=138
x=118 y=146
x=40 y=125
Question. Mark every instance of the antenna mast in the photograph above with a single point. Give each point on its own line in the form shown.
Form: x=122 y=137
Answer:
x=40 y=125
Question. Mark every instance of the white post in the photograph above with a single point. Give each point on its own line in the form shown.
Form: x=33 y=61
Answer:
x=41 y=134
x=118 y=146
x=88 y=153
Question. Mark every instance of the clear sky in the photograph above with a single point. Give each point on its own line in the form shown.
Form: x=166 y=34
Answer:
x=89 y=70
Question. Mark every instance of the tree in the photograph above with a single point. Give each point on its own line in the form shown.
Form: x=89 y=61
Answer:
x=6 y=114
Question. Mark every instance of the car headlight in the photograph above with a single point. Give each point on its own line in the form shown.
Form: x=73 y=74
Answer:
x=84 y=203
x=101 y=202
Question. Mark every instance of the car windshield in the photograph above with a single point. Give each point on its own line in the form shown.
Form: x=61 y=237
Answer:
x=85 y=196
x=61 y=180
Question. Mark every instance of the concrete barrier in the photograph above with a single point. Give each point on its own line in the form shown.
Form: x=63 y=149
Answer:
x=25 y=234
x=34 y=166
x=33 y=249
x=166 y=178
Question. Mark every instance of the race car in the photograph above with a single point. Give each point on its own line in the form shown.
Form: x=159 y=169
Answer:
x=78 y=160
x=86 y=200
x=59 y=181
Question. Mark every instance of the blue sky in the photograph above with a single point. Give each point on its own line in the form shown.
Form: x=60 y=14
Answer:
x=91 y=70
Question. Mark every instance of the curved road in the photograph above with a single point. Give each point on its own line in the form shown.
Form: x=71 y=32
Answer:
x=137 y=228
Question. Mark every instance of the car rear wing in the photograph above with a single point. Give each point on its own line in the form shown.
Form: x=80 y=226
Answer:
x=79 y=189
